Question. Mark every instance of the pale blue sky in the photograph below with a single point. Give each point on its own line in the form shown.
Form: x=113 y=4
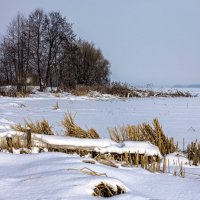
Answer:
x=146 y=41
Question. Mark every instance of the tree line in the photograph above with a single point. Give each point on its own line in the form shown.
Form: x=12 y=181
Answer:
x=42 y=49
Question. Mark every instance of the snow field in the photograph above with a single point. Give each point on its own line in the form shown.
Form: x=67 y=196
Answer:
x=58 y=176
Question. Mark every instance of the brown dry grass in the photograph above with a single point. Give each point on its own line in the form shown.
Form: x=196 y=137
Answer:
x=115 y=88
x=193 y=152
x=15 y=142
x=125 y=90
x=106 y=190
x=40 y=127
x=144 y=132
x=73 y=130
x=56 y=106
x=12 y=92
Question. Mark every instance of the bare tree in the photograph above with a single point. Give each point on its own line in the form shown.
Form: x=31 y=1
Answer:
x=38 y=34
x=43 y=47
x=15 y=52
x=59 y=35
x=93 y=67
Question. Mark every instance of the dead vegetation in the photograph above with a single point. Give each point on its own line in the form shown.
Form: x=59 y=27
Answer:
x=193 y=152
x=106 y=160
x=114 y=88
x=73 y=130
x=89 y=161
x=125 y=90
x=40 y=127
x=106 y=190
x=145 y=132
x=8 y=143
x=56 y=106
x=11 y=91
x=88 y=171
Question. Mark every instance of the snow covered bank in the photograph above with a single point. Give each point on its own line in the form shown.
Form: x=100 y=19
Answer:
x=131 y=147
x=97 y=145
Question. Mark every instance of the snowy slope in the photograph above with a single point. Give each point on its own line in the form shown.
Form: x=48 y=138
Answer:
x=57 y=176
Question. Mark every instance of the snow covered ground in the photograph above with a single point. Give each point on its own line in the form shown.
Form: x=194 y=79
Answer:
x=179 y=117
x=58 y=176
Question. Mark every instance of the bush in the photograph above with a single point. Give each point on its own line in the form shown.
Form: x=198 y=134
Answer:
x=145 y=132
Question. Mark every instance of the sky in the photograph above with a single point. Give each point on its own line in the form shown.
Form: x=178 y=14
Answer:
x=146 y=41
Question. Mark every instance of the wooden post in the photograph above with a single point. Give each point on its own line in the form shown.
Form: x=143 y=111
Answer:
x=10 y=144
x=28 y=137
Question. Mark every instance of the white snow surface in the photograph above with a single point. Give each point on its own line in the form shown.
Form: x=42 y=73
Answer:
x=132 y=147
x=179 y=117
x=57 y=176
x=177 y=158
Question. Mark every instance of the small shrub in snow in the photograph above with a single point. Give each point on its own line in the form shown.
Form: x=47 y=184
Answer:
x=40 y=127
x=107 y=190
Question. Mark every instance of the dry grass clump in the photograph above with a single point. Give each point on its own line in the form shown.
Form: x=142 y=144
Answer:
x=81 y=90
x=106 y=190
x=123 y=90
x=88 y=171
x=56 y=106
x=11 y=143
x=40 y=127
x=11 y=91
x=115 y=88
x=176 y=93
x=144 y=132
x=106 y=160
x=193 y=152
x=15 y=142
x=22 y=94
x=73 y=130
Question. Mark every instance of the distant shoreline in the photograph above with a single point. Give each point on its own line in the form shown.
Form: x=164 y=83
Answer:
x=187 y=86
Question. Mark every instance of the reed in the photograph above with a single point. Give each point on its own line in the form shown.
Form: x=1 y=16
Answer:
x=193 y=152
x=144 y=132
x=73 y=130
x=40 y=127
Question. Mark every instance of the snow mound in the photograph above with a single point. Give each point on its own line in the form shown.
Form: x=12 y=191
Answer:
x=98 y=145
x=176 y=159
x=132 y=147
